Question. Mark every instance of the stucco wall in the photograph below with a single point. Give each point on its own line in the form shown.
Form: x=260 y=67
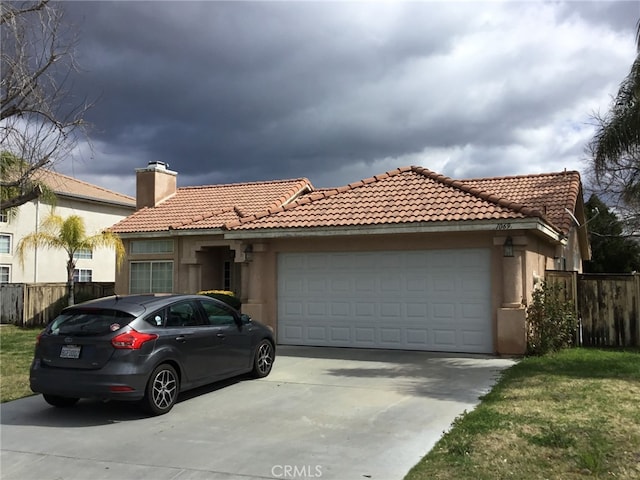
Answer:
x=533 y=255
x=197 y=261
x=49 y=265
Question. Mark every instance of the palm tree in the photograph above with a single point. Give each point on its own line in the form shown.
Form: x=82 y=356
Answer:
x=19 y=184
x=69 y=234
x=616 y=145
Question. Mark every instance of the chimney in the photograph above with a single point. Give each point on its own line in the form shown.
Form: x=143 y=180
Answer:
x=154 y=184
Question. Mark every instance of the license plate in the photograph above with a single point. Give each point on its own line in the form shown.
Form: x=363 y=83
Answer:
x=70 y=351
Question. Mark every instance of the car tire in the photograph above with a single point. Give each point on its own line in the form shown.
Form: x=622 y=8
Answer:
x=263 y=359
x=162 y=390
x=60 y=402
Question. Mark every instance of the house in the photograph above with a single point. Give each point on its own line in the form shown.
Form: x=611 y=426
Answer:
x=409 y=259
x=100 y=208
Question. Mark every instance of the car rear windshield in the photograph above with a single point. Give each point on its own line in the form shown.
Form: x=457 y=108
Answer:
x=89 y=322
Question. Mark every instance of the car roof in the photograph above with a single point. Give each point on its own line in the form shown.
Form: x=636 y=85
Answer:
x=135 y=304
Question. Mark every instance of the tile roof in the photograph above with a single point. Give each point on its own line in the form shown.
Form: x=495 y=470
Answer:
x=72 y=187
x=416 y=194
x=213 y=206
x=550 y=193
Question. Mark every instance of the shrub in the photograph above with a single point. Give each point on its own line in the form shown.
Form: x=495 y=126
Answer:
x=551 y=320
x=224 y=296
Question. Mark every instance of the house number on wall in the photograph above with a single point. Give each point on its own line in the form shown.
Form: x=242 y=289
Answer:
x=503 y=226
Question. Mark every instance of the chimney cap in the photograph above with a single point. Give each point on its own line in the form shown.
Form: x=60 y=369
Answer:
x=156 y=166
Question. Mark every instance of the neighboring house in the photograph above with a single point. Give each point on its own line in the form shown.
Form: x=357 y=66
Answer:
x=100 y=208
x=404 y=260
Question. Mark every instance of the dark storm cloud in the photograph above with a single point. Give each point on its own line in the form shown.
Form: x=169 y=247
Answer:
x=239 y=91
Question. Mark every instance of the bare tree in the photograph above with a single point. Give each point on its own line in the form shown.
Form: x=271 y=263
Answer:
x=40 y=121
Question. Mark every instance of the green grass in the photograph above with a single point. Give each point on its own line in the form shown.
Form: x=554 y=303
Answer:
x=570 y=415
x=16 y=352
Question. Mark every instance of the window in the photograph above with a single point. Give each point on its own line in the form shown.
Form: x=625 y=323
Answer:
x=157 y=318
x=83 y=253
x=151 y=277
x=151 y=246
x=217 y=314
x=4 y=217
x=226 y=275
x=5 y=243
x=183 y=314
x=90 y=322
x=82 y=275
x=5 y=273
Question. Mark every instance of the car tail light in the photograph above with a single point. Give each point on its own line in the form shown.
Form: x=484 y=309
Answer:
x=120 y=388
x=39 y=337
x=132 y=340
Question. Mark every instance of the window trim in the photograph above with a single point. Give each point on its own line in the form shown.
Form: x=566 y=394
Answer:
x=8 y=267
x=10 y=238
x=83 y=254
x=80 y=272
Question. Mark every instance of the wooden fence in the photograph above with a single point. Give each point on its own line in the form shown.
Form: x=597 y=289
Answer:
x=35 y=304
x=608 y=307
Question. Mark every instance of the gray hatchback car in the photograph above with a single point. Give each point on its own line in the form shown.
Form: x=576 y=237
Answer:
x=146 y=348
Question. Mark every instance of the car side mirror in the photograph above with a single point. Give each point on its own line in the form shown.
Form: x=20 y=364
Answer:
x=245 y=318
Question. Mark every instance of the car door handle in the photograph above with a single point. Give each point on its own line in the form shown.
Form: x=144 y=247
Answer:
x=181 y=338
x=220 y=335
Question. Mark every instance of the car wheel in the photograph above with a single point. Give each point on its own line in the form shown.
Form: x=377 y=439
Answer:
x=60 y=402
x=263 y=359
x=162 y=390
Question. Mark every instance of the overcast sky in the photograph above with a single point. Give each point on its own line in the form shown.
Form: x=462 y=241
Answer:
x=335 y=91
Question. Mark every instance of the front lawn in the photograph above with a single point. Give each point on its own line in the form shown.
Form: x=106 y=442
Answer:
x=16 y=352
x=570 y=415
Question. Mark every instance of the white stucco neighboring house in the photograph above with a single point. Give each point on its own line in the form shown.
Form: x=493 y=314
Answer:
x=100 y=208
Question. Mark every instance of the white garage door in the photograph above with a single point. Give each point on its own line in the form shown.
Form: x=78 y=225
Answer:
x=436 y=300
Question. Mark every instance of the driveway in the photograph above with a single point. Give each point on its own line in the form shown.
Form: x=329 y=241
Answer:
x=322 y=413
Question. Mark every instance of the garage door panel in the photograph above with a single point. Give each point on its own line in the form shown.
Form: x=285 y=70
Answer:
x=474 y=338
x=316 y=333
x=340 y=334
x=424 y=300
x=416 y=310
x=340 y=285
x=365 y=335
x=367 y=310
x=391 y=337
x=472 y=284
x=391 y=284
x=417 y=337
x=293 y=332
x=446 y=311
x=317 y=287
x=416 y=283
x=315 y=262
x=340 y=309
x=365 y=284
x=294 y=285
x=391 y=310
x=474 y=311
x=293 y=309
x=444 y=337
x=316 y=309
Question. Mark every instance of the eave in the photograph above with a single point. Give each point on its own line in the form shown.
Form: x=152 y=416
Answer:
x=503 y=226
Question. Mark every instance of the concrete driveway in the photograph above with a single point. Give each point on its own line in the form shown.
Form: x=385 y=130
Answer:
x=322 y=413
